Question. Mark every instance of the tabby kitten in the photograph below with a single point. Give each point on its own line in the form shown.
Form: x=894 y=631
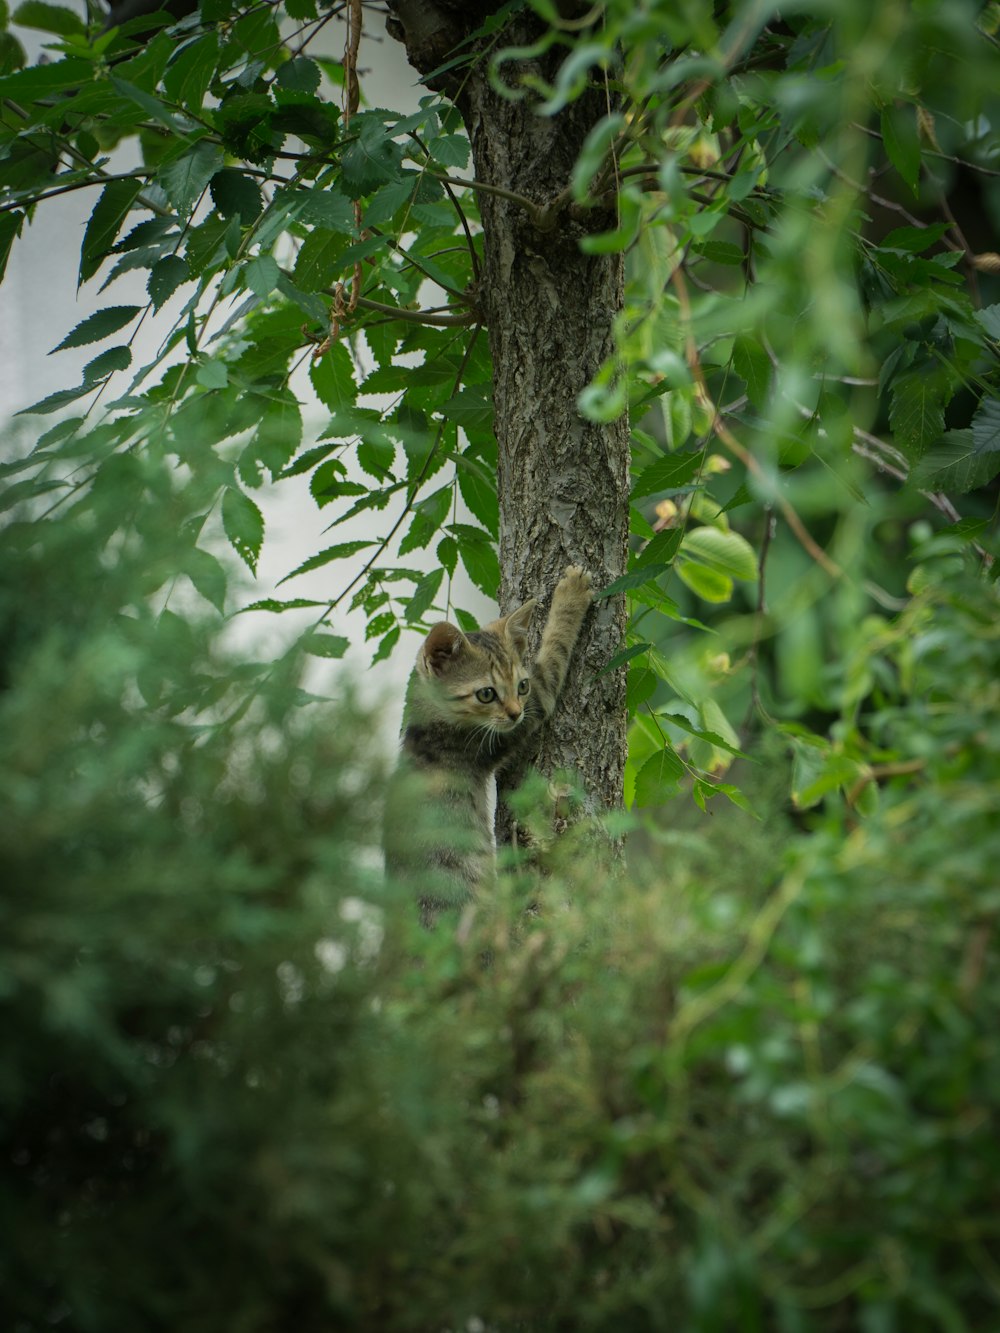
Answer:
x=472 y=706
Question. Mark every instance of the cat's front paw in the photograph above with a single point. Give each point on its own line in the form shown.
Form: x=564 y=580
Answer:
x=574 y=589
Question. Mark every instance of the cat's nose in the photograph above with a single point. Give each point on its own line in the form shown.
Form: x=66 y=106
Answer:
x=514 y=712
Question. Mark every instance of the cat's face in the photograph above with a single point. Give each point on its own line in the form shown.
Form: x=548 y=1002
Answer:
x=478 y=680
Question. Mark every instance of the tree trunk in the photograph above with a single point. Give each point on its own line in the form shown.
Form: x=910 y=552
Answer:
x=562 y=481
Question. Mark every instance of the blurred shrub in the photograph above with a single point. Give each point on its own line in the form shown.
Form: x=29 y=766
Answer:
x=752 y=1084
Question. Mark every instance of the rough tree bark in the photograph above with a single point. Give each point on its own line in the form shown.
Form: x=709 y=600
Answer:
x=549 y=310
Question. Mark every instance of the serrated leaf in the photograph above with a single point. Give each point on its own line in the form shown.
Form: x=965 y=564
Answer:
x=320 y=207
x=105 y=223
x=753 y=365
x=10 y=230
x=325 y=645
x=427 y=518
x=166 y=275
x=299 y=74
x=99 y=325
x=989 y=318
x=955 y=466
x=479 y=492
x=372 y=159
x=342 y=551
x=261 y=274
x=276 y=605
x=447 y=553
x=189 y=74
x=451 y=150
x=899 y=135
x=236 y=195
x=726 y=552
x=115 y=358
x=986 y=427
x=481 y=564
x=208 y=576
x=243 y=524
x=185 y=179
x=916 y=413
x=659 y=777
x=623 y=656
x=669 y=473
x=471 y=409
x=319 y=259
x=386 y=646
x=332 y=377
x=49 y=18
x=424 y=594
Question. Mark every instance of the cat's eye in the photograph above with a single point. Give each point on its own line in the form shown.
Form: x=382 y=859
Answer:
x=523 y=686
x=486 y=695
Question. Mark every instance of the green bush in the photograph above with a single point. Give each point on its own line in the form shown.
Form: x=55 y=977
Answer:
x=750 y=1084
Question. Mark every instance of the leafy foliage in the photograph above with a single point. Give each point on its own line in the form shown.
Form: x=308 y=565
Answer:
x=809 y=346
x=239 y=1085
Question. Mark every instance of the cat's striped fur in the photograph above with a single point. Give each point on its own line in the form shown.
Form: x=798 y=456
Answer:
x=472 y=706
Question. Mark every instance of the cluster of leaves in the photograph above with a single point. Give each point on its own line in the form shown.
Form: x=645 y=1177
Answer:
x=255 y=198
x=809 y=344
x=239 y=1086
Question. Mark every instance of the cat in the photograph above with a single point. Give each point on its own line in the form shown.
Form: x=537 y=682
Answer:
x=472 y=707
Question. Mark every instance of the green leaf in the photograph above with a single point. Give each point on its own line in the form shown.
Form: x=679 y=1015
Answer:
x=318 y=262
x=185 y=179
x=386 y=646
x=986 y=427
x=916 y=413
x=99 y=325
x=299 y=74
x=236 y=195
x=479 y=491
x=659 y=777
x=989 y=318
x=332 y=377
x=471 y=409
x=424 y=594
x=320 y=207
x=340 y=552
x=753 y=365
x=166 y=275
x=707 y=583
x=279 y=432
x=623 y=656
x=243 y=524
x=670 y=473
x=899 y=134
x=208 y=576
x=915 y=239
x=955 y=465
x=261 y=274
x=478 y=556
x=10 y=230
x=49 y=18
x=189 y=74
x=276 y=605
x=152 y=106
x=372 y=159
x=115 y=358
x=324 y=645
x=104 y=224
x=726 y=552
x=427 y=518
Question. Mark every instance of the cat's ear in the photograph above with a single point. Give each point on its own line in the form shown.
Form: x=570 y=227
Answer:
x=515 y=626
x=442 y=647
